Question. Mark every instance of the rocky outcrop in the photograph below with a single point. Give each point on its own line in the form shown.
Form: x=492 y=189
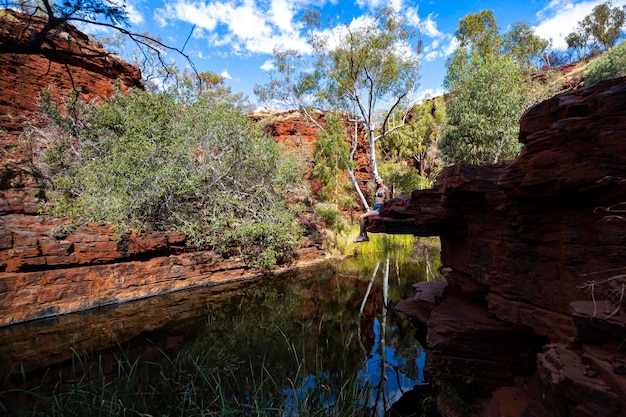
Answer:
x=533 y=251
x=45 y=271
x=23 y=78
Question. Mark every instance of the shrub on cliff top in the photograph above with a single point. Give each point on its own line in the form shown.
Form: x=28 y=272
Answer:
x=202 y=168
x=611 y=64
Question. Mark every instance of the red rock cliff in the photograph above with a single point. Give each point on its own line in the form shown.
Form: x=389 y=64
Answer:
x=534 y=251
x=22 y=80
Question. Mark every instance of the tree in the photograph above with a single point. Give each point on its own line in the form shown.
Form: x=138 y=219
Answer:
x=600 y=29
x=357 y=69
x=579 y=41
x=479 y=32
x=47 y=20
x=331 y=152
x=488 y=91
x=420 y=136
x=525 y=46
x=605 y=24
x=483 y=113
x=478 y=38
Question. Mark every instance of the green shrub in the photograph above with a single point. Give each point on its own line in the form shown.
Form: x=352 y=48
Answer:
x=331 y=215
x=202 y=168
x=611 y=64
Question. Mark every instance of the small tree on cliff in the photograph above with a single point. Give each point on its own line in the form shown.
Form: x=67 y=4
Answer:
x=600 y=29
x=488 y=90
x=49 y=19
x=356 y=68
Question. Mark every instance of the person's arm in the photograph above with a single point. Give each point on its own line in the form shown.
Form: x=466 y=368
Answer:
x=387 y=194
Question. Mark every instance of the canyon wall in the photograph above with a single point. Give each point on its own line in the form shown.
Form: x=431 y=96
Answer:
x=45 y=270
x=533 y=251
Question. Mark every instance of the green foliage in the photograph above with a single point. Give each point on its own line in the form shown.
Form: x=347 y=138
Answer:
x=484 y=112
x=331 y=159
x=605 y=24
x=331 y=215
x=611 y=64
x=418 y=139
x=403 y=179
x=600 y=29
x=203 y=169
x=525 y=46
x=488 y=93
x=479 y=32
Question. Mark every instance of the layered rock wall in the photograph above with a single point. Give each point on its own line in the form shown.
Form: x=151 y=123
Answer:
x=23 y=78
x=534 y=253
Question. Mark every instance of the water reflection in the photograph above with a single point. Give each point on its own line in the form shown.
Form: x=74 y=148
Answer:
x=310 y=329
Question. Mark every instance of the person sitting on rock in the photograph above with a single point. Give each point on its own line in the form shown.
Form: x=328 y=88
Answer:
x=382 y=194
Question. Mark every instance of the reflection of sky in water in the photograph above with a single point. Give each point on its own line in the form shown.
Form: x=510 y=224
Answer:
x=385 y=391
x=395 y=382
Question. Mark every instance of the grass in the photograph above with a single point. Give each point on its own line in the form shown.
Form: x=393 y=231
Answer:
x=378 y=243
x=190 y=384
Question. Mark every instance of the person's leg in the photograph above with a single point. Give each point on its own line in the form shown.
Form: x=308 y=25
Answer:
x=362 y=237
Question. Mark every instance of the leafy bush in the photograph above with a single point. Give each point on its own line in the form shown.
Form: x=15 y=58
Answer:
x=611 y=64
x=202 y=168
x=331 y=215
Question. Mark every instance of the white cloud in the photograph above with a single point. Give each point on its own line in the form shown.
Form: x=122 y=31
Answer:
x=370 y=4
x=431 y=56
x=245 y=26
x=134 y=16
x=427 y=27
x=226 y=75
x=159 y=17
x=428 y=94
x=560 y=18
x=454 y=43
x=267 y=65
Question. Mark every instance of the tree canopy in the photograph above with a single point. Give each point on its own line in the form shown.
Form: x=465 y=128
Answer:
x=489 y=89
x=356 y=69
x=601 y=29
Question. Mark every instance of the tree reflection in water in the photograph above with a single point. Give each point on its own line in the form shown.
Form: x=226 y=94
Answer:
x=297 y=330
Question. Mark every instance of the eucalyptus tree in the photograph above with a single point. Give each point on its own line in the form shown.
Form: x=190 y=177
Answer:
x=488 y=90
x=355 y=69
x=526 y=48
x=601 y=29
x=420 y=136
x=483 y=114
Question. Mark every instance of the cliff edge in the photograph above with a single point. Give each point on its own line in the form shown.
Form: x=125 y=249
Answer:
x=533 y=251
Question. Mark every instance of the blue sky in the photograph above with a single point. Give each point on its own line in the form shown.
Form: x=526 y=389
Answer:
x=235 y=38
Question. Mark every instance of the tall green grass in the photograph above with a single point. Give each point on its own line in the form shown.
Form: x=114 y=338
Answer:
x=190 y=384
x=378 y=243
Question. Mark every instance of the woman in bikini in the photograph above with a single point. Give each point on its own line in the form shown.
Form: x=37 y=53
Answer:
x=382 y=195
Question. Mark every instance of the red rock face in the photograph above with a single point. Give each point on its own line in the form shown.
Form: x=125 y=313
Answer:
x=536 y=245
x=22 y=80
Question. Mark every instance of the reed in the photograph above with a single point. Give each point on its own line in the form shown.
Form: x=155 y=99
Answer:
x=190 y=384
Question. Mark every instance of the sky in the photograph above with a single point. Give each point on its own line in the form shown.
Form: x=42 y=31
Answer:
x=236 y=38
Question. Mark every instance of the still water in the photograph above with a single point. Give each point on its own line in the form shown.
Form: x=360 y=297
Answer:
x=281 y=344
